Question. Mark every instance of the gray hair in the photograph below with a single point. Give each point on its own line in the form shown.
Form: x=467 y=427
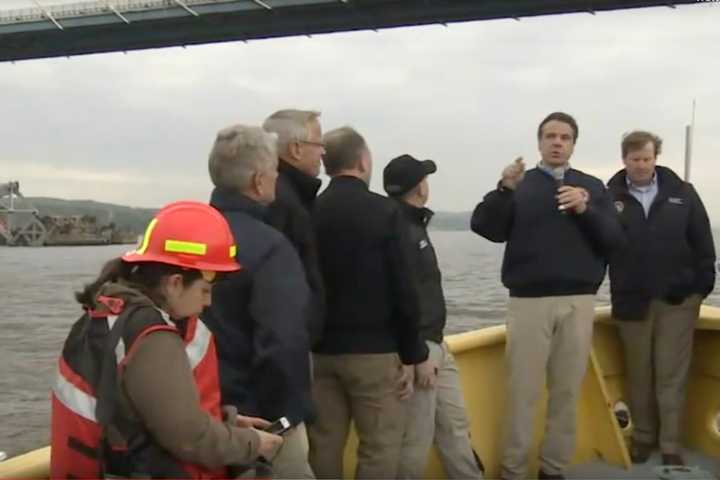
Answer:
x=239 y=152
x=290 y=126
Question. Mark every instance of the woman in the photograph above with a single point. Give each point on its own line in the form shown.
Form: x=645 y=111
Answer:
x=137 y=391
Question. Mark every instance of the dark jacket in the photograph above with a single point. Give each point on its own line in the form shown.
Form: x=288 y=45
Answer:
x=670 y=254
x=258 y=318
x=372 y=303
x=428 y=277
x=548 y=252
x=291 y=214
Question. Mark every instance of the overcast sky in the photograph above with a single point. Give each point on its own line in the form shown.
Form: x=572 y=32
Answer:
x=136 y=128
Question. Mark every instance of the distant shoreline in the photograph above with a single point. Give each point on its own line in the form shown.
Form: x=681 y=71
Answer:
x=134 y=220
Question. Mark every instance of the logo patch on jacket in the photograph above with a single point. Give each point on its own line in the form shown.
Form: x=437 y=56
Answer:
x=423 y=243
x=676 y=200
x=619 y=206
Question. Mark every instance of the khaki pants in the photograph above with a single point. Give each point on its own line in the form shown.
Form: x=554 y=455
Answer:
x=545 y=336
x=439 y=414
x=361 y=387
x=657 y=358
x=291 y=460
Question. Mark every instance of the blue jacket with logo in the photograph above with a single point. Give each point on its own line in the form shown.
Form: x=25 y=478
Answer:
x=668 y=255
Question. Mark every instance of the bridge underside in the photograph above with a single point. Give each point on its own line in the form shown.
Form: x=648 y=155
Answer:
x=178 y=24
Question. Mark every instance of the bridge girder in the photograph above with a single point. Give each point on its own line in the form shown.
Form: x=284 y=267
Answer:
x=255 y=19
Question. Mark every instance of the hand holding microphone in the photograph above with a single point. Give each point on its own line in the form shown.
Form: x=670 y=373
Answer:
x=571 y=198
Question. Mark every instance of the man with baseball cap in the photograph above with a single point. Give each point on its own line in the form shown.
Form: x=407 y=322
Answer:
x=437 y=395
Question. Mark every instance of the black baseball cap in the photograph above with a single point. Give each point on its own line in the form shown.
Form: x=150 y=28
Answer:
x=404 y=173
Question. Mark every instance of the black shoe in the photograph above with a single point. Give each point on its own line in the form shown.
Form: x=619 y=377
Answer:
x=542 y=475
x=640 y=452
x=672 y=459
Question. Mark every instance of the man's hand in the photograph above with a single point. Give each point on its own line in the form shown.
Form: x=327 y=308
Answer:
x=426 y=374
x=251 y=422
x=405 y=382
x=269 y=444
x=513 y=174
x=573 y=199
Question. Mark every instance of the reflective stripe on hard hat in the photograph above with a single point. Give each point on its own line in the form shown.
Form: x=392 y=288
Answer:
x=146 y=237
x=192 y=248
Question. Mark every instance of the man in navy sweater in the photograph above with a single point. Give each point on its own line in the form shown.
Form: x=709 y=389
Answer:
x=560 y=226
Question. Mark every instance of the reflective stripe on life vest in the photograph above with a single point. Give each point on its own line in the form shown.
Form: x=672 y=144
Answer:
x=76 y=400
x=197 y=348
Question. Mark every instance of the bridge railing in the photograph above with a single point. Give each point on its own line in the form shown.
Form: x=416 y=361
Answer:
x=90 y=8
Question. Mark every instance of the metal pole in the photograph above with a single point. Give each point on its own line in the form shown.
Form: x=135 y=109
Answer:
x=11 y=212
x=688 y=151
x=689 y=130
x=12 y=195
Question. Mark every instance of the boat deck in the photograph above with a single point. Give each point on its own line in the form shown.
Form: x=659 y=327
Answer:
x=699 y=466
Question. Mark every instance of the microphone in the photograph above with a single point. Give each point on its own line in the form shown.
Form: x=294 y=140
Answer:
x=559 y=176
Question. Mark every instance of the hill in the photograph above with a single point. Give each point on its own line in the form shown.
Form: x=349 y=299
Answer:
x=136 y=219
x=125 y=218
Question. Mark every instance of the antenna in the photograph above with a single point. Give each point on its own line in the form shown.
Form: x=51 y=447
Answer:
x=689 y=130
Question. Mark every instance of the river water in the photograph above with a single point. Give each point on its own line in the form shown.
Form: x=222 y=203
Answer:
x=36 y=301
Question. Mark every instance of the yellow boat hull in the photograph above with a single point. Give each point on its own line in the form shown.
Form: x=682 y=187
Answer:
x=480 y=358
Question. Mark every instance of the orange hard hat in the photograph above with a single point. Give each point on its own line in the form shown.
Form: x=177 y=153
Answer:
x=190 y=235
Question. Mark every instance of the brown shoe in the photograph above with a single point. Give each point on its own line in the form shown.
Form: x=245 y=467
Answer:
x=672 y=459
x=640 y=451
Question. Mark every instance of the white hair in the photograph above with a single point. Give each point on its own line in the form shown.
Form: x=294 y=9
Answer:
x=290 y=126
x=239 y=152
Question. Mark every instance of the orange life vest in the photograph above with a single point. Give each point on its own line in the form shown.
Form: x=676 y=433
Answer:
x=86 y=392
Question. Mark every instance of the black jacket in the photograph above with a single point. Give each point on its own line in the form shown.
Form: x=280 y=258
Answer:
x=258 y=318
x=428 y=277
x=291 y=214
x=669 y=255
x=372 y=302
x=550 y=253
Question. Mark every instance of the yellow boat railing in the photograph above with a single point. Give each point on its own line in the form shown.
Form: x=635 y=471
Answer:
x=480 y=359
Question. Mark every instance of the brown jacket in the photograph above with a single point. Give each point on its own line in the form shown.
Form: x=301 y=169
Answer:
x=159 y=389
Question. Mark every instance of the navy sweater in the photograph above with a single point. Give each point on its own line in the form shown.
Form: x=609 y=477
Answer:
x=550 y=253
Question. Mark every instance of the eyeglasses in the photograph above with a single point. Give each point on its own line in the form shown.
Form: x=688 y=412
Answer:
x=310 y=142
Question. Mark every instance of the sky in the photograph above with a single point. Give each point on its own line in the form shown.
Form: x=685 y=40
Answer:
x=136 y=128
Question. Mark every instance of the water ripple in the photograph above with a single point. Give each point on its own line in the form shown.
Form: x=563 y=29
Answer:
x=38 y=309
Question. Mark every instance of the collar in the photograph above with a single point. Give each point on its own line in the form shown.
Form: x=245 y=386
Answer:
x=421 y=215
x=225 y=199
x=305 y=185
x=350 y=181
x=122 y=290
x=549 y=170
x=668 y=183
x=642 y=188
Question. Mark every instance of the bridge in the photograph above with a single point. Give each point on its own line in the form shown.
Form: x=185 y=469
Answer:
x=116 y=25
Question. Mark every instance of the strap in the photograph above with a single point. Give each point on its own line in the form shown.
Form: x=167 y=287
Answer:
x=140 y=457
x=107 y=387
x=82 y=448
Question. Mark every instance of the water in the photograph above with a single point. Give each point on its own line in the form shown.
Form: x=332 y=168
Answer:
x=36 y=300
